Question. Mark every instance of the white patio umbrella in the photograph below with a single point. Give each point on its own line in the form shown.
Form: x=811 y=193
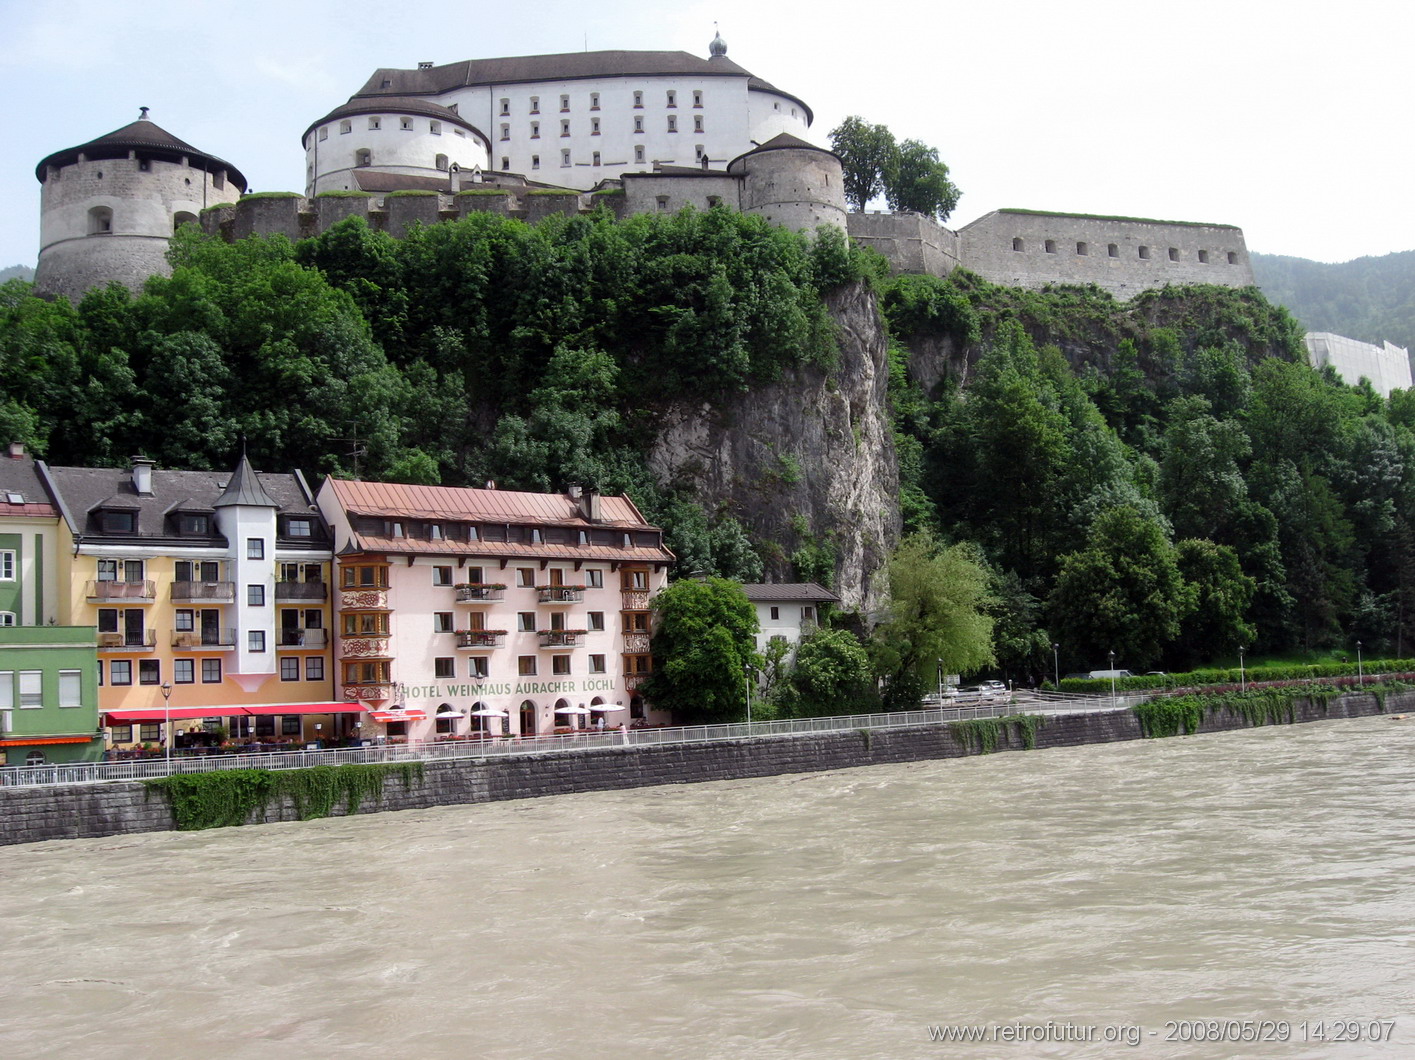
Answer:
x=487 y=712
x=573 y=710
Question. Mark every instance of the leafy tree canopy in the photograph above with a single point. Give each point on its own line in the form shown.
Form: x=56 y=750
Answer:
x=704 y=648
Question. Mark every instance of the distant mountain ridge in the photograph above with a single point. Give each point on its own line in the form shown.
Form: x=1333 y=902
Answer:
x=16 y=272
x=1371 y=299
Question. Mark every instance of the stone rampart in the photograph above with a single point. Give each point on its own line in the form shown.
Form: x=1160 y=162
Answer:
x=80 y=811
x=911 y=242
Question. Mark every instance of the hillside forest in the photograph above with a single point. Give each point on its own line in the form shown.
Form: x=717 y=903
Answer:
x=1371 y=298
x=1165 y=479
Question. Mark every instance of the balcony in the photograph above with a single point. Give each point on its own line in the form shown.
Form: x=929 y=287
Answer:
x=363 y=599
x=636 y=643
x=480 y=638
x=301 y=591
x=473 y=592
x=210 y=592
x=560 y=594
x=141 y=640
x=134 y=592
x=368 y=693
x=364 y=646
x=205 y=639
x=304 y=638
x=561 y=638
x=632 y=682
x=634 y=600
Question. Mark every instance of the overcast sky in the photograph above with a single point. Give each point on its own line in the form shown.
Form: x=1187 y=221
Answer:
x=1289 y=120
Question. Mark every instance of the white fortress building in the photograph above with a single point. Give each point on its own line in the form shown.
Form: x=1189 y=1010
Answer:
x=530 y=136
x=1386 y=366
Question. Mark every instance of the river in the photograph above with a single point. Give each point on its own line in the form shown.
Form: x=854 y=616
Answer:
x=1128 y=888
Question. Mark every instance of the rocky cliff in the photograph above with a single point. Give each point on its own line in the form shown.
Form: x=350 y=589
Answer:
x=806 y=461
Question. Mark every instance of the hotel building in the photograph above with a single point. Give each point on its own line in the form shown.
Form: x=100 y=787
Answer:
x=493 y=611
x=209 y=592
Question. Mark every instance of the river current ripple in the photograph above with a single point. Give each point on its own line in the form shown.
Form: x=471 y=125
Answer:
x=1260 y=875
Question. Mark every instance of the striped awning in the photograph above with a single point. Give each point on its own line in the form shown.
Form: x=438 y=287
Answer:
x=150 y=714
x=413 y=714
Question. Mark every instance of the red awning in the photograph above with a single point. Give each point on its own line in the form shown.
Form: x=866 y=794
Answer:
x=306 y=708
x=123 y=717
x=398 y=715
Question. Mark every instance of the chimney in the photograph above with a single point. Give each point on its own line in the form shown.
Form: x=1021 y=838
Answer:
x=491 y=483
x=17 y=450
x=588 y=503
x=142 y=475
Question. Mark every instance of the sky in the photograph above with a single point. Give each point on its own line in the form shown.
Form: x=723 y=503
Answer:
x=1283 y=119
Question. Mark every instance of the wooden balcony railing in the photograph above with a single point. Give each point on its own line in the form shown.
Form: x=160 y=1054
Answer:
x=210 y=592
x=480 y=638
x=139 y=591
x=561 y=638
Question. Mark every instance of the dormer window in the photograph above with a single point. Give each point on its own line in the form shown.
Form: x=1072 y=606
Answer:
x=393 y=529
x=434 y=531
x=537 y=538
x=299 y=527
x=118 y=521
x=196 y=524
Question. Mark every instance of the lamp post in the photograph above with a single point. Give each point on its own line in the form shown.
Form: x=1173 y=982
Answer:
x=1242 y=674
x=1112 y=678
x=1056 y=665
x=747 y=679
x=167 y=709
x=940 y=682
x=1360 y=671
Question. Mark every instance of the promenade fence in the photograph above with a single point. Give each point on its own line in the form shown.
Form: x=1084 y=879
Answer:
x=139 y=769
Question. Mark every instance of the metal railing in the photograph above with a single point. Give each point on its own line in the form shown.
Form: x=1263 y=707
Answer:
x=215 y=592
x=486 y=747
x=301 y=591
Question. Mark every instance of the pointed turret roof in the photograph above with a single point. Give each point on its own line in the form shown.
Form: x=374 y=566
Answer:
x=149 y=140
x=245 y=488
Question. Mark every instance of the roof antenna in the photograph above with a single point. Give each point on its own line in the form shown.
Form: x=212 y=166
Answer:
x=356 y=452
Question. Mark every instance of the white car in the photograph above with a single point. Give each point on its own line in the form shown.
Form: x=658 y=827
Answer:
x=992 y=688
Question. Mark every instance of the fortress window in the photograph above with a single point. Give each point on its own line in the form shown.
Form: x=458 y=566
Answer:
x=1232 y=258
x=535 y=161
x=506 y=132
x=406 y=124
x=638 y=124
x=672 y=98
x=1018 y=244
x=505 y=164
x=1203 y=257
x=218 y=179
x=697 y=98
x=697 y=123
x=373 y=123
x=596 y=158
x=505 y=106
x=698 y=152
x=363 y=157
x=793 y=112
x=1173 y=253
x=346 y=126
x=435 y=127
x=441 y=163
x=714 y=200
x=100 y=174
x=672 y=124
x=144 y=165
x=1145 y=253
x=639 y=154
x=1082 y=249
x=100 y=221
x=565 y=157
x=535 y=130
x=662 y=208
x=565 y=127
x=564 y=104
x=594 y=101
x=386 y=83
x=324 y=132
x=638 y=99
x=459 y=132
x=594 y=126
x=183 y=218
x=1112 y=250
x=1051 y=246
x=535 y=104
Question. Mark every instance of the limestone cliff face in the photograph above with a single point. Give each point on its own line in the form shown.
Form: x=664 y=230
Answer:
x=810 y=458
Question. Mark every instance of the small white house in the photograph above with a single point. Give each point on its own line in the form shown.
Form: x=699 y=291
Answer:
x=787 y=611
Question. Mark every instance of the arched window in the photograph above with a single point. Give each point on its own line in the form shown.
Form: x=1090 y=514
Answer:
x=34 y=758
x=100 y=221
x=363 y=157
x=183 y=218
x=1018 y=244
x=528 y=718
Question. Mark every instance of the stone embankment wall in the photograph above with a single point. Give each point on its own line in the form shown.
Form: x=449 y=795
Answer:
x=96 y=810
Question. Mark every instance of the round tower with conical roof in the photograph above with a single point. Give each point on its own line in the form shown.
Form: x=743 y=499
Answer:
x=109 y=207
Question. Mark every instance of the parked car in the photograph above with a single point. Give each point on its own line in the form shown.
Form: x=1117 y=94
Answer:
x=993 y=688
x=935 y=699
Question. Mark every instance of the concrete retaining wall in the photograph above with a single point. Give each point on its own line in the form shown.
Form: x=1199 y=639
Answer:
x=81 y=811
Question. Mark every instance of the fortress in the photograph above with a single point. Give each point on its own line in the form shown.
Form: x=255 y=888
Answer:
x=636 y=132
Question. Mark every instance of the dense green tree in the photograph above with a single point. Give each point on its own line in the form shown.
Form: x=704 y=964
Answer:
x=1217 y=625
x=938 y=610
x=916 y=180
x=704 y=650
x=1123 y=592
x=831 y=675
x=866 y=153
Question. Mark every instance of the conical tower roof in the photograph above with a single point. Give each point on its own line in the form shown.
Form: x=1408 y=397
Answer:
x=245 y=488
x=149 y=140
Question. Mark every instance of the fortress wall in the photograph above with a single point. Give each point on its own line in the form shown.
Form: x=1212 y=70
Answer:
x=665 y=193
x=404 y=211
x=911 y=242
x=797 y=189
x=1386 y=366
x=1125 y=256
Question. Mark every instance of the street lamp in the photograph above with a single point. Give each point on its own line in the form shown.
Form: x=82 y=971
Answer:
x=1360 y=672
x=940 y=682
x=1056 y=665
x=167 y=709
x=1242 y=674
x=747 y=678
x=1112 y=678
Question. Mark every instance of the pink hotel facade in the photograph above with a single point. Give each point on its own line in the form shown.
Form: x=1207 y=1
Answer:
x=466 y=610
